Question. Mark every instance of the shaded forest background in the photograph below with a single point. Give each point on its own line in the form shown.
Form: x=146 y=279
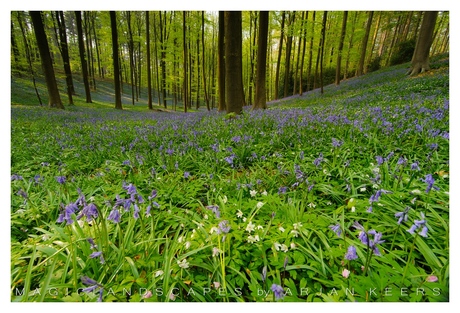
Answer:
x=178 y=51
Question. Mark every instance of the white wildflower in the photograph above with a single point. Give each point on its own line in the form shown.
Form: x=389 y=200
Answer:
x=214 y=230
x=224 y=199
x=239 y=214
x=215 y=251
x=362 y=189
x=183 y=263
x=205 y=216
x=180 y=239
x=159 y=273
x=292 y=245
x=187 y=245
x=250 y=227
x=297 y=225
x=353 y=209
x=295 y=233
x=253 y=193
x=312 y=205
x=252 y=239
x=259 y=204
x=281 y=229
x=264 y=193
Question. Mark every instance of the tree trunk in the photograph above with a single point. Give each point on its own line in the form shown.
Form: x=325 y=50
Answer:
x=421 y=57
x=287 y=62
x=54 y=100
x=339 y=54
x=310 y=56
x=362 y=59
x=323 y=40
x=163 y=58
x=260 y=99
x=184 y=45
x=81 y=48
x=116 y=66
x=131 y=54
x=149 y=68
x=280 y=50
x=206 y=99
x=221 y=62
x=233 y=62
x=28 y=54
x=65 y=54
x=304 y=30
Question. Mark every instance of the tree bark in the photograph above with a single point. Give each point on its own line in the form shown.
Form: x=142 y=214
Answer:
x=221 y=62
x=304 y=26
x=421 y=57
x=65 y=54
x=323 y=40
x=206 y=99
x=81 y=48
x=287 y=62
x=280 y=50
x=260 y=98
x=149 y=68
x=184 y=45
x=233 y=62
x=339 y=54
x=54 y=100
x=116 y=66
x=362 y=59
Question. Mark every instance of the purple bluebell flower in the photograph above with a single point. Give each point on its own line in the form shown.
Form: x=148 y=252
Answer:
x=126 y=162
x=419 y=224
x=351 y=253
x=379 y=160
x=402 y=161
x=336 y=229
x=264 y=273
x=429 y=180
x=402 y=215
x=236 y=139
x=114 y=216
x=414 y=166
x=22 y=193
x=214 y=209
x=224 y=227
x=282 y=190
x=93 y=245
x=60 y=179
x=136 y=211
x=230 y=159
x=153 y=194
x=67 y=214
x=97 y=254
x=101 y=292
x=336 y=143
x=317 y=161
x=90 y=211
x=186 y=174
x=16 y=177
x=376 y=241
x=278 y=291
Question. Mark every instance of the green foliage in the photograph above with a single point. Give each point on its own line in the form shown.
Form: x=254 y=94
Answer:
x=403 y=52
x=235 y=198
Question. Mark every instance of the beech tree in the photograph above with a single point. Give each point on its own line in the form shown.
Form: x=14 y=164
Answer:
x=260 y=99
x=421 y=58
x=81 y=47
x=116 y=66
x=54 y=99
x=233 y=62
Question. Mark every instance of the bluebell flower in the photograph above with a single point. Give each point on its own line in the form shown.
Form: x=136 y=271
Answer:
x=93 y=245
x=402 y=161
x=336 y=229
x=22 y=193
x=67 y=214
x=278 y=291
x=317 y=161
x=60 y=179
x=153 y=194
x=282 y=190
x=414 y=166
x=402 y=215
x=419 y=224
x=224 y=227
x=336 y=143
x=429 y=180
x=214 y=209
x=264 y=273
x=97 y=254
x=136 y=211
x=351 y=253
x=90 y=211
x=379 y=160
x=186 y=174
x=114 y=216
x=16 y=177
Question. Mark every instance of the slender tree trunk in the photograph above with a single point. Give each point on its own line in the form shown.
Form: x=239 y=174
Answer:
x=297 y=63
x=287 y=62
x=81 y=48
x=339 y=54
x=310 y=56
x=221 y=62
x=350 y=46
x=361 y=68
x=54 y=100
x=280 y=50
x=96 y=42
x=14 y=46
x=131 y=54
x=323 y=40
x=28 y=54
x=198 y=73
x=233 y=62
x=421 y=57
x=116 y=66
x=184 y=45
x=149 y=68
x=304 y=30
x=260 y=99
x=65 y=54
x=206 y=99
x=157 y=71
x=163 y=58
